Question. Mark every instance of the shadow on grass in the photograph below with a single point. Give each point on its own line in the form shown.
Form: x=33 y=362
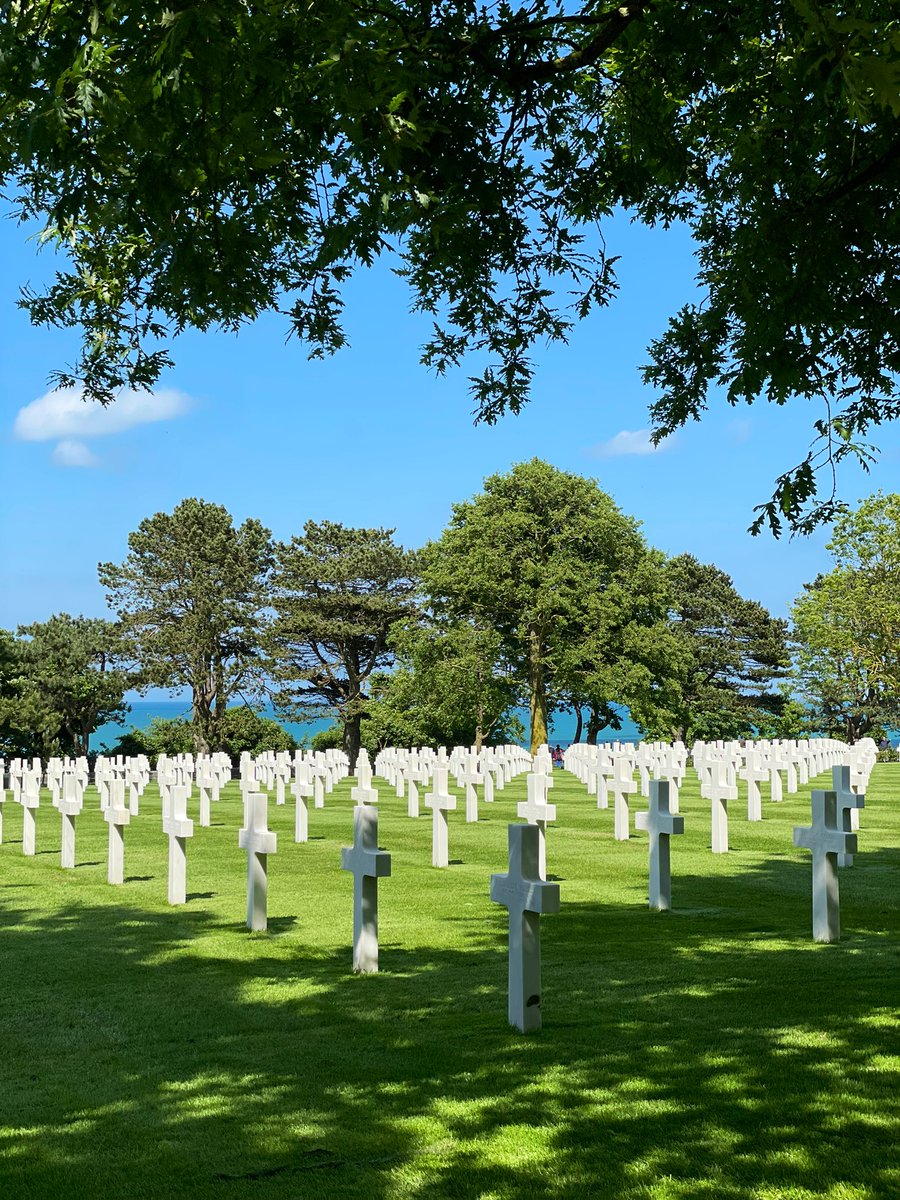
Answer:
x=683 y=1054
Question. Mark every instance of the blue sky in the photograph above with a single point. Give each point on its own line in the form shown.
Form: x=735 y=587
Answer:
x=370 y=437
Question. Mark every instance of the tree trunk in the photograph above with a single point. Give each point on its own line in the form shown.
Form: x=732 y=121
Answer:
x=479 y=719
x=579 y=722
x=202 y=719
x=594 y=727
x=536 y=685
x=352 y=739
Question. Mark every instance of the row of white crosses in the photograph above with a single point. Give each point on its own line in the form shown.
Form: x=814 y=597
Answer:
x=523 y=890
x=404 y=769
x=719 y=765
x=835 y=812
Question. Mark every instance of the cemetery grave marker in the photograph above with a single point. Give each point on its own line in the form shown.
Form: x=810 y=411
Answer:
x=660 y=824
x=848 y=805
x=536 y=811
x=368 y=864
x=258 y=842
x=826 y=841
x=441 y=803
x=179 y=828
x=117 y=815
x=70 y=805
x=527 y=897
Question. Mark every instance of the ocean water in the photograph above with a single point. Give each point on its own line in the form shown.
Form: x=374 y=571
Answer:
x=562 y=725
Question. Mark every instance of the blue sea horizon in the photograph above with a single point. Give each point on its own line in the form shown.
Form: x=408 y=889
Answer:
x=142 y=712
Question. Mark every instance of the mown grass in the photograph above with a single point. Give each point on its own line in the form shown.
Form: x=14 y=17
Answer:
x=147 y=1051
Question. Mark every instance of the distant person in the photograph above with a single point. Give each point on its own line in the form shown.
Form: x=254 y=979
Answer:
x=884 y=744
x=557 y=756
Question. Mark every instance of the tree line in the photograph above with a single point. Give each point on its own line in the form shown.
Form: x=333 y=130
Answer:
x=540 y=593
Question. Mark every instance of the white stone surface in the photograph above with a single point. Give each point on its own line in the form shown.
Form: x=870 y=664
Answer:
x=536 y=811
x=440 y=801
x=826 y=841
x=117 y=815
x=719 y=791
x=526 y=897
x=258 y=842
x=302 y=790
x=70 y=804
x=754 y=773
x=178 y=827
x=848 y=805
x=623 y=786
x=368 y=864
x=660 y=824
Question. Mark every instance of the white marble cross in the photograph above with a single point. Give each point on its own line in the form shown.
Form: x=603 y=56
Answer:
x=414 y=776
x=70 y=805
x=488 y=784
x=440 y=802
x=623 y=786
x=754 y=773
x=30 y=799
x=777 y=789
x=178 y=827
x=117 y=814
x=206 y=780
x=364 y=793
x=258 y=842
x=470 y=778
x=660 y=824
x=302 y=789
x=527 y=897
x=368 y=864
x=536 y=811
x=848 y=805
x=282 y=773
x=719 y=791
x=826 y=841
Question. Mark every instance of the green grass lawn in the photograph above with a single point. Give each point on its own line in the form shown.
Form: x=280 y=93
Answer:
x=711 y=1051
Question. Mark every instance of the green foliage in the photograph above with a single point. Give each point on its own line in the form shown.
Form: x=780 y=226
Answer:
x=733 y=654
x=846 y=625
x=202 y=164
x=240 y=729
x=59 y=681
x=455 y=689
x=545 y=559
x=189 y=597
x=337 y=593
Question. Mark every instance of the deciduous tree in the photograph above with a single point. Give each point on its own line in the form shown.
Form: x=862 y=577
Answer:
x=546 y=559
x=846 y=625
x=190 y=597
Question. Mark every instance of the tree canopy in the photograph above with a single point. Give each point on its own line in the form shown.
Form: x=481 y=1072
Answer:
x=60 y=679
x=847 y=625
x=201 y=163
x=546 y=560
x=733 y=655
x=190 y=597
x=337 y=594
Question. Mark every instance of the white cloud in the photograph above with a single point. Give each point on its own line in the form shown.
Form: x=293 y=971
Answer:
x=629 y=441
x=70 y=453
x=64 y=413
